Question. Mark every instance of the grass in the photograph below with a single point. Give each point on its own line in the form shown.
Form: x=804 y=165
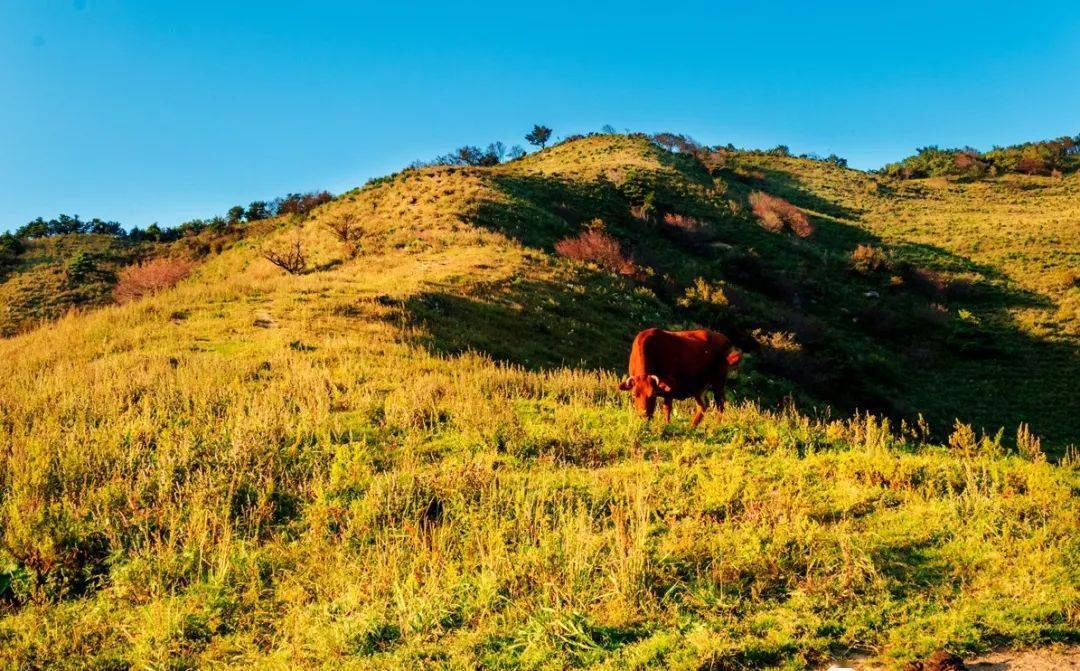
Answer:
x=416 y=457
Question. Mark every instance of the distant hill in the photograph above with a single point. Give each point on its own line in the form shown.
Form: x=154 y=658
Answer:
x=385 y=432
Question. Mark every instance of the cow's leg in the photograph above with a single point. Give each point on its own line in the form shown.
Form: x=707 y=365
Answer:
x=667 y=410
x=699 y=413
x=718 y=396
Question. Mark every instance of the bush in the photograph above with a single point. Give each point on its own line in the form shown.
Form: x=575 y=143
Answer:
x=869 y=259
x=1031 y=158
x=148 y=277
x=775 y=213
x=928 y=282
x=81 y=267
x=11 y=248
x=301 y=203
x=596 y=246
x=646 y=210
x=688 y=230
x=347 y=230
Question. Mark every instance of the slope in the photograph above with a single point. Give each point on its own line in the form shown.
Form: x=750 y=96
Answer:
x=414 y=456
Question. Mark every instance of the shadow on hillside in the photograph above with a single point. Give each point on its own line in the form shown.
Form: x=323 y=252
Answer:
x=537 y=324
x=791 y=188
x=893 y=340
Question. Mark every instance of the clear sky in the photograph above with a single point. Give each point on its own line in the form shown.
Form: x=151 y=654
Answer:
x=144 y=111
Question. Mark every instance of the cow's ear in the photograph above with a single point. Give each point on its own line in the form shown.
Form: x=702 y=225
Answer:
x=660 y=384
x=626 y=384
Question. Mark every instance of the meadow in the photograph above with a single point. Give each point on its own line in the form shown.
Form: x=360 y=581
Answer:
x=413 y=453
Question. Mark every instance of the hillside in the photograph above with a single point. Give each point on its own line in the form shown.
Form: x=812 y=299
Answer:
x=414 y=455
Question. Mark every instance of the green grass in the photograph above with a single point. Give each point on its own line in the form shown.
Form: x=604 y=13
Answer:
x=418 y=458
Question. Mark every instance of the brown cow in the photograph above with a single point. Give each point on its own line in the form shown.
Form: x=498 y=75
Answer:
x=678 y=364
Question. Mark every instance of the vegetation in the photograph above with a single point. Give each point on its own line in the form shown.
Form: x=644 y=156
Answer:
x=149 y=277
x=776 y=214
x=415 y=456
x=1049 y=157
x=539 y=136
x=595 y=246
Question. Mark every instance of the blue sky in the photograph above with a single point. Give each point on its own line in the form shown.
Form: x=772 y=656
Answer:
x=164 y=111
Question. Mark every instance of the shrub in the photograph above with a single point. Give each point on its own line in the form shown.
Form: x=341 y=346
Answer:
x=302 y=203
x=346 y=229
x=712 y=302
x=687 y=229
x=645 y=211
x=81 y=267
x=148 y=277
x=775 y=213
x=935 y=284
x=1032 y=158
x=596 y=246
x=869 y=259
x=11 y=248
x=290 y=258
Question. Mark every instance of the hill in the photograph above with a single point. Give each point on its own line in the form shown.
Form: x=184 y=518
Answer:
x=413 y=454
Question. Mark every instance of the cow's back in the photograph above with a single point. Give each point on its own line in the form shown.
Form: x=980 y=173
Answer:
x=686 y=360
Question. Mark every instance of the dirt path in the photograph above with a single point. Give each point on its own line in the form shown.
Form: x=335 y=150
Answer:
x=1063 y=659
x=1066 y=658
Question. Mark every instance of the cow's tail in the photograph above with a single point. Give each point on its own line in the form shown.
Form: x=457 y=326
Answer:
x=734 y=356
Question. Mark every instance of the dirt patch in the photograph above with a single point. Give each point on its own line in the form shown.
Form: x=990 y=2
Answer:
x=1045 y=659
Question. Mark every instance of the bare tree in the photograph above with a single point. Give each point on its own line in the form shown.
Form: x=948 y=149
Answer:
x=290 y=258
x=347 y=230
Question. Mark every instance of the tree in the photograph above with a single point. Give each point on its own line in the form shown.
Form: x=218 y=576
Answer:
x=347 y=230
x=495 y=152
x=836 y=160
x=515 y=153
x=10 y=249
x=64 y=224
x=38 y=228
x=81 y=267
x=100 y=227
x=290 y=258
x=539 y=135
x=258 y=210
x=153 y=232
x=235 y=214
x=468 y=155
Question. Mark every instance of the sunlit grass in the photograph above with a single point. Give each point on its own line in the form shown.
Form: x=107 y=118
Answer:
x=258 y=469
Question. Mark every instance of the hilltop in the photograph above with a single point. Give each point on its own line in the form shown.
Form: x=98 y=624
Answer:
x=412 y=451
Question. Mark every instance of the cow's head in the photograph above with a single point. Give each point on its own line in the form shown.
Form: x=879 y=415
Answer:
x=644 y=389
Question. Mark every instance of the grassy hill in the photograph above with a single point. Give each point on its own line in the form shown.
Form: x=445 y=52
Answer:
x=413 y=454
x=58 y=274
